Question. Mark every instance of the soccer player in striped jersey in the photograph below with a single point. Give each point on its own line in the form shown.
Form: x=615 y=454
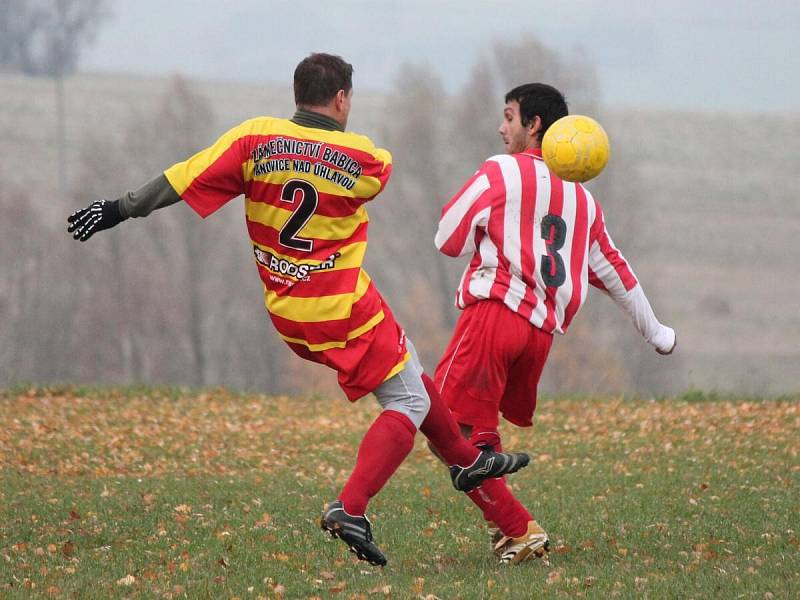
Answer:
x=535 y=244
x=306 y=182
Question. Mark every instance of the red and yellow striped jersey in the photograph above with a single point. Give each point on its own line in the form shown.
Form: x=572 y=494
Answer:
x=305 y=190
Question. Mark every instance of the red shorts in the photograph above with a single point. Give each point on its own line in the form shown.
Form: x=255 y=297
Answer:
x=492 y=365
x=364 y=363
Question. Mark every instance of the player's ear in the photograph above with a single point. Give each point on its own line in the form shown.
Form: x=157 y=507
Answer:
x=535 y=126
x=341 y=96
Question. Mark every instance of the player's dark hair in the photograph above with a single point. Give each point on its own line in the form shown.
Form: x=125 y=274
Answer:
x=539 y=99
x=319 y=77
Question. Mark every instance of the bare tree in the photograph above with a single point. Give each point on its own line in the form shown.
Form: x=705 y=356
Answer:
x=476 y=109
x=420 y=146
x=20 y=280
x=184 y=126
x=474 y=119
x=171 y=298
x=45 y=37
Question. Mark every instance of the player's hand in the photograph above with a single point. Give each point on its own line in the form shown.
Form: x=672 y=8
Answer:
x=99 y=215
x=674 y=343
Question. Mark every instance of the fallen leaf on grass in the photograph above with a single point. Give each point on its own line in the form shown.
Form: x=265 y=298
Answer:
x=127 y=580
x=553 y=576
x=386 y=590
x=335 y=589
x=264 y=521
x=419 y=583
x=68 y=549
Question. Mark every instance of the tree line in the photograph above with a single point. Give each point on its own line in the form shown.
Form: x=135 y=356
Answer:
x=176 y=301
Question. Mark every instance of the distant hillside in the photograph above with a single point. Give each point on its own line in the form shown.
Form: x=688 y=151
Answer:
x=717 y=221
x=724 y=196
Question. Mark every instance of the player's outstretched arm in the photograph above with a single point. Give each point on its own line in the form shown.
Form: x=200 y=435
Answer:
x=610 y=272
x=99 y=215
x=104 y=214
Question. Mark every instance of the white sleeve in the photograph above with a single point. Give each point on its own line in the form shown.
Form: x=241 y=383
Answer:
x=461 y=217
x=635 y=303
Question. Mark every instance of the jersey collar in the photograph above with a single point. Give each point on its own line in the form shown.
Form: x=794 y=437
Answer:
x=537 y=152
x=307 y=118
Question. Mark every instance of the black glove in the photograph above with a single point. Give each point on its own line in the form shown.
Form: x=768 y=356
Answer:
x=99 y=215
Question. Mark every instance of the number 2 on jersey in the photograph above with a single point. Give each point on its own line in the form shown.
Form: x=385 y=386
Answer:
x=305 y=197
x=554 y=233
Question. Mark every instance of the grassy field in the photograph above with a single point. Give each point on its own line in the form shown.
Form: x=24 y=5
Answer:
x=164 y=494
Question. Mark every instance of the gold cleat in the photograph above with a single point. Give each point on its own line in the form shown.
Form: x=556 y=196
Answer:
x=532 y=544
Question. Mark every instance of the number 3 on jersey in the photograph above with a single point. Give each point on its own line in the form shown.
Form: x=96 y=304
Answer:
x=305 y=198
x=554 y=234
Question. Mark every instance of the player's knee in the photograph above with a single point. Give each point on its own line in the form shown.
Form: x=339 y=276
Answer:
x=418 y=405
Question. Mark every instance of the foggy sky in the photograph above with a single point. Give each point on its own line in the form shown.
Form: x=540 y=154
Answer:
x=738 y=55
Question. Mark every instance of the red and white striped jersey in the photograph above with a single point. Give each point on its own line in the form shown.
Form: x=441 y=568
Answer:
x=537 y=242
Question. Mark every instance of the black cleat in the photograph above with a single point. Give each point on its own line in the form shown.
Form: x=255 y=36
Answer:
x=489 y=464
x=354 y=531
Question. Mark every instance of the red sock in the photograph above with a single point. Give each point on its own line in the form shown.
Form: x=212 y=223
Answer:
x=442 y=430
x=493 y=496
x=486 y=436
x=499 y=505
x=384 y=447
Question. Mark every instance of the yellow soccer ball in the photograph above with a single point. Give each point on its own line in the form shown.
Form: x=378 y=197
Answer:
x=576 y=148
